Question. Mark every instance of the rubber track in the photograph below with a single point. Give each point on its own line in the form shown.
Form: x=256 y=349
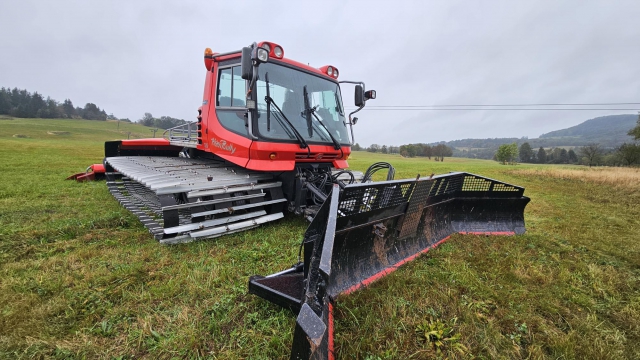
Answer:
x=139 y=182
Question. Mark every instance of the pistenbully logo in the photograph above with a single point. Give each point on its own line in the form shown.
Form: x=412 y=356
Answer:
x=222 y=144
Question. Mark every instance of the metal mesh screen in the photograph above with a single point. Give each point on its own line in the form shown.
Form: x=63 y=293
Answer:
x=477 y=183
x=377 y=196
x=373 y=196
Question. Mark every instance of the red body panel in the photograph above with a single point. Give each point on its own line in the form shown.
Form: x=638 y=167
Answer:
x=287 y=155
x=145 y=142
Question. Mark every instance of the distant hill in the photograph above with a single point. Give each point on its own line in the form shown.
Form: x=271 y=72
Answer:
x=608 y=131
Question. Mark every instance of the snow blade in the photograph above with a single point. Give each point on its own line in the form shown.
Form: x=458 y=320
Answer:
x=367 y=231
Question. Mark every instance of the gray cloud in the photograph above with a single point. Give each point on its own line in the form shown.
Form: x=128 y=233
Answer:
x=146 y=56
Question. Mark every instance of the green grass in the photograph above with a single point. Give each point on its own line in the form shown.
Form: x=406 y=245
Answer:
x=80 y=277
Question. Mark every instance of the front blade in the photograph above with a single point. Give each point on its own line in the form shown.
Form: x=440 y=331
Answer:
x=368 y=230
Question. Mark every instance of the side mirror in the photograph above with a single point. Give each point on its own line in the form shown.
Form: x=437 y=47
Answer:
x=246 y=70
x=371 y=94
x=359 y=96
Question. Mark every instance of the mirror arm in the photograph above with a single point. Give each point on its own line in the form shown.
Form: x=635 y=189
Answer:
x=353 y=139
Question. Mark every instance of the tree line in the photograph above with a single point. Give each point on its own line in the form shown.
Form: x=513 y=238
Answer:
x=438 y=152
x=23 y=104
x=163 y=122
x=627 y=154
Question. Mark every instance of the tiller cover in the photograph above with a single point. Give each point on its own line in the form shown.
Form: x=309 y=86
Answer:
x=366 y=231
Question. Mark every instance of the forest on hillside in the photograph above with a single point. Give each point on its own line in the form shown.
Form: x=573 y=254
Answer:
x=23 y=104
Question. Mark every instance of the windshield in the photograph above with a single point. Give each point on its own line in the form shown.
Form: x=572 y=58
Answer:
x=286 y=88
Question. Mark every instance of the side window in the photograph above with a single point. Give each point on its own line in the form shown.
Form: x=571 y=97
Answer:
x=224 y=87
x=231 y=93
x=231 y=88
x=239 y=91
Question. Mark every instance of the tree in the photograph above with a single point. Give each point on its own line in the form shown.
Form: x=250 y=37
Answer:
x=427 y=151
x=37 y=104
x=542 y=156
x=374 y=148
x=167 y=122
x=51 y=110
x=564 y=156
x=384 y=149
x=5 y=101
x=356 y=147
x=573 y=158
x=440 y=151
x=68 y=109
x=591 y=153
x=635 y=132
x=507 y=153
x=147 y=120
x=526 y=153
x=92 y=112
x=408 y=150
x=629 y=153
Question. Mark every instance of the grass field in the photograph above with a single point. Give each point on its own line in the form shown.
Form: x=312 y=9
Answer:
x=80 y=277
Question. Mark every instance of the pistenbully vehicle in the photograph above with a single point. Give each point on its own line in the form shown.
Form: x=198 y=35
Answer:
x=272 y=135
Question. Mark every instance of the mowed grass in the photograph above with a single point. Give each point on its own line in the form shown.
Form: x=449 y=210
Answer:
x=80 y=277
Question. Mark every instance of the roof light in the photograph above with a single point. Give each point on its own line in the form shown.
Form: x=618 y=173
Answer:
x=273 y=49
x=329 y=70
x=263 y=55
x=208 y=58
x=277 y=51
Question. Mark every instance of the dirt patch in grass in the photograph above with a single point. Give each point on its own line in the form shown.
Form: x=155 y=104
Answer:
x=20 y=136
x=58 y=133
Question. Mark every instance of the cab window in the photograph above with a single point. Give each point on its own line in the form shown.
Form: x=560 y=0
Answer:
x=231 y=88
x=230 y=100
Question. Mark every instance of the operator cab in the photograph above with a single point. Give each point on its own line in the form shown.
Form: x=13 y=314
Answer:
x=269 y=113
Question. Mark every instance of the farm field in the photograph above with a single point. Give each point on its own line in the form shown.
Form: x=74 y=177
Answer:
x=80 y=277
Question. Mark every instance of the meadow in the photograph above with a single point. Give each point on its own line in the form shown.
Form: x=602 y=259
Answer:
x=80 y=277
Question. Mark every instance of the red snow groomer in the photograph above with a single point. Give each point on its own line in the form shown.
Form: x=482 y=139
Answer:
x=272 y=135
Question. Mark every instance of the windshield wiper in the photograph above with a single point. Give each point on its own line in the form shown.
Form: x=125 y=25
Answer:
x=307 y=110
x=266 y=80
x=303 y=143
x=312 y=112
x=336 y=144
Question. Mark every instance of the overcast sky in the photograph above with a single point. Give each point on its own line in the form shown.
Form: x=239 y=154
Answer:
x=132 y=57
